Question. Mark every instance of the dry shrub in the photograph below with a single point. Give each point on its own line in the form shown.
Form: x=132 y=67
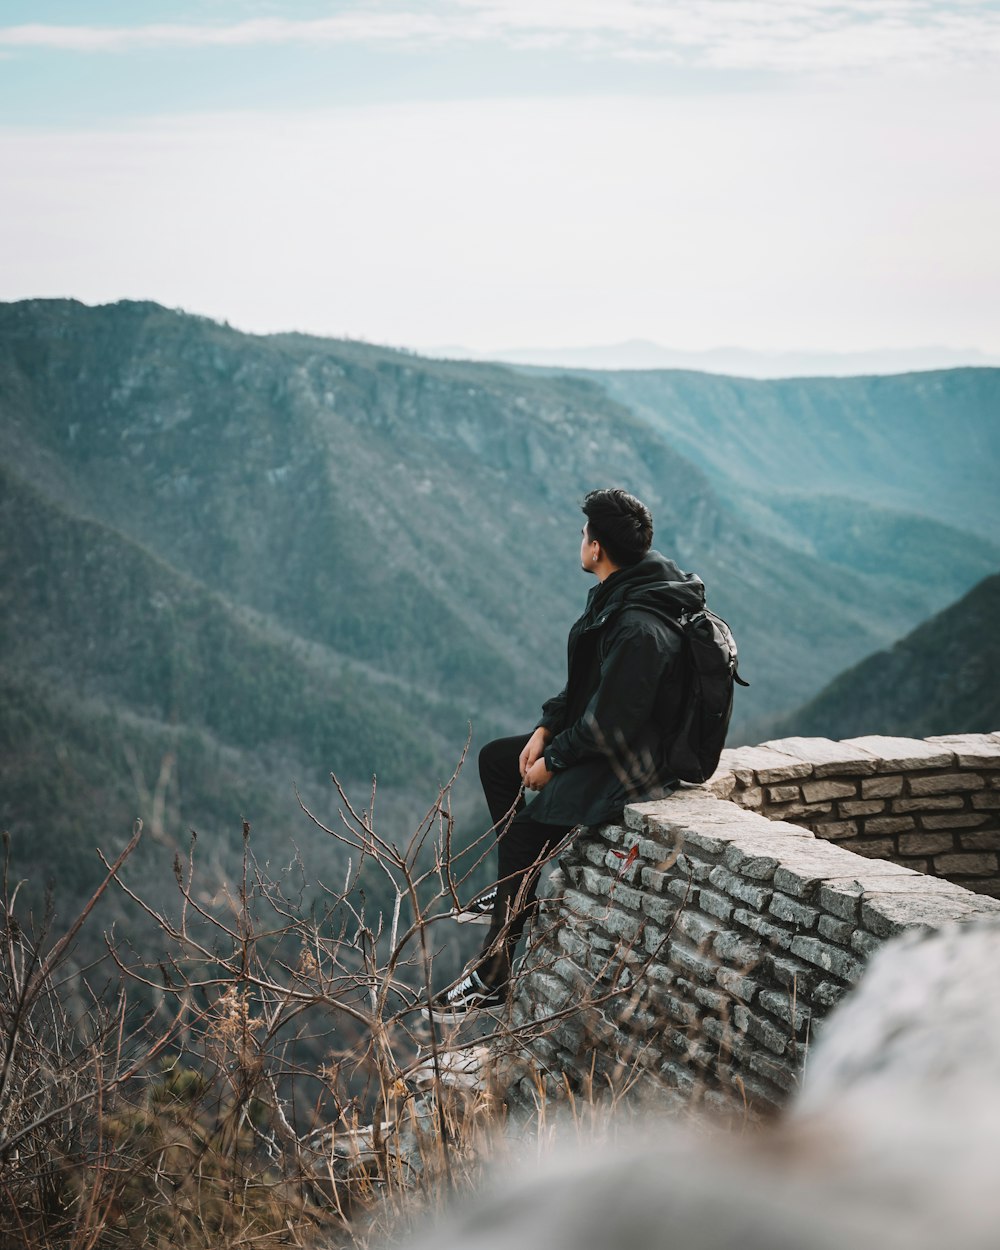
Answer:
x=251 y=1083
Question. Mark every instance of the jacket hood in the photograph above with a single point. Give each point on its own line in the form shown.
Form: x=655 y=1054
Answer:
x=655 y=583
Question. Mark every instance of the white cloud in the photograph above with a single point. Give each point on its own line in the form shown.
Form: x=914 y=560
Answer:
x=783 y=35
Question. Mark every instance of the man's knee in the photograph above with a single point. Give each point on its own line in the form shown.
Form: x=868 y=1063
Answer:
x=498 y=756
x=487 y=755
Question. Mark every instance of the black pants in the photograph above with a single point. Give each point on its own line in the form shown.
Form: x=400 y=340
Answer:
x=522 y=843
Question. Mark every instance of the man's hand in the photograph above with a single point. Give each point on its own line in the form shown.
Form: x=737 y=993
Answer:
x=533 y=749
x=538 y=776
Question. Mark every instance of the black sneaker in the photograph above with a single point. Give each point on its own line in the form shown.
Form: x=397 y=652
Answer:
x=479 y=911
x=469 y=995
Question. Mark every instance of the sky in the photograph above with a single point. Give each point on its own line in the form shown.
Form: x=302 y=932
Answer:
x=775 y=174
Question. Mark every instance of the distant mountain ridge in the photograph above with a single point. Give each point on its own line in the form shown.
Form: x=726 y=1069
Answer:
x=739 y=362
x=941 y=678
x=926 y=443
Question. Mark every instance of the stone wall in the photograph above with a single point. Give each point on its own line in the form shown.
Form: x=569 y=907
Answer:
x=932 y=805
x=697 y=947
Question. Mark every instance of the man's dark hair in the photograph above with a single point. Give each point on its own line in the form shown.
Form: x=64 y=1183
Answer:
x=620 y=523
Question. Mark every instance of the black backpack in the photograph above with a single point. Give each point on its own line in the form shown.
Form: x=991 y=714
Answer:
x=710 y=660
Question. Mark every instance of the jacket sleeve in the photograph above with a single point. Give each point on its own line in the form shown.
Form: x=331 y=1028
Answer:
x=622 y=705
x=554 y=712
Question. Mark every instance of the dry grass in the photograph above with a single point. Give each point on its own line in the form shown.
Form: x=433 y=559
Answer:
x=254 y=1083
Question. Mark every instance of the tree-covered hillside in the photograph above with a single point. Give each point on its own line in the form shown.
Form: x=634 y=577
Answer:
x=942 y=678
x=298 y=555
x=925 y=443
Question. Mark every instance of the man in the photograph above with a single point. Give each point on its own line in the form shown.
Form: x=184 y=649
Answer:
x=601 y=743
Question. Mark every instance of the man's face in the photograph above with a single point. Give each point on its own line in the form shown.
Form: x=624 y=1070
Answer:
x=588 y=548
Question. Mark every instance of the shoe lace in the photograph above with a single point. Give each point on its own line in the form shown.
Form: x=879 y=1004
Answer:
x=469 y=983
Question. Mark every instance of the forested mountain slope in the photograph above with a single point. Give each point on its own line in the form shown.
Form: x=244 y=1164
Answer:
x=942 y=678
x=298 y=554
x=926 y=443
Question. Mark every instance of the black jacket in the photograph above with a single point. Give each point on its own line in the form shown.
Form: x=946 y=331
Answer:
x=613 y=721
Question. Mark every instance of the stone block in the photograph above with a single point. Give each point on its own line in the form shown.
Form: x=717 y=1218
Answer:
x=988 y=840
x=659 y=909
x=594 y=852
x=751 y=798
x=768 y=765
x=736 y=949
x=791 y=973
x=986 y=802
x=757 y=896
x=902 y=754
x=573 y=945
x=595 y=883
x=889 y=824
x=722 y=784
x=760 y=1029
x=799 y=881
x=660 y=973
x=678 y=1077
x=959 y=820
x=836 y=830
x=702 y=930
x=799 y=811
x=874 y=848
x=691 y=866
x=567 y=971
x=925 y=843
x=860 y=807
x=621 y=924
x=865 y=943
x=828 y=993
x=790 y=909
x=624 y=896
x=715 y=904
x=687 y=960
x=806 y=864
x=881 y=787
x=550 y=990
x=737 y=984
x=971 y=750
x=579 y=904
x=946 y=783
x=966 y=864
x=726 y=1037
x=787 y=1007
x=711 y=999
x=779 y=1072
x=930 y=803
x=836 y=930
x=818 y=791
x=653 y=880
x=683 y=891
x=693 y=1050
x=886 y=914
x=760 y=867
x=784 y=794
x=842 y=898
x=827 y=758
x=773 y=933
x=829 y=958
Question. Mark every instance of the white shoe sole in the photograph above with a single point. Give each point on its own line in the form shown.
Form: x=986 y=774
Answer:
x=471 y=917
